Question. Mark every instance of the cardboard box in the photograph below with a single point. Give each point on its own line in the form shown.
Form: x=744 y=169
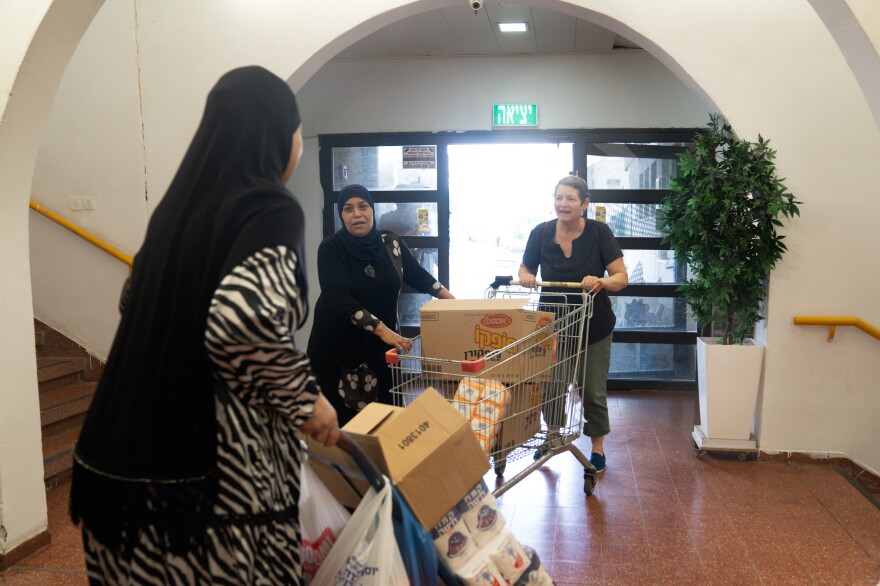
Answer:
x=524 y=420
x=469 y=329
x=427 y=449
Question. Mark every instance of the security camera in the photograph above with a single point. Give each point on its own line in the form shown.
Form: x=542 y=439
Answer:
x=476 y=5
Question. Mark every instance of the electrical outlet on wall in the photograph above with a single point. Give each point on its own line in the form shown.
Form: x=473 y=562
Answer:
x=76 y=203
x=89 y=202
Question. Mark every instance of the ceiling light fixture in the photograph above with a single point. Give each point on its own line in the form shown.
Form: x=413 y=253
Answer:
x=513 y=27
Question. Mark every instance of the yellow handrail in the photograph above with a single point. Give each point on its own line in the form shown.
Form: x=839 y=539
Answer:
x=833 y=322
x=82 y=233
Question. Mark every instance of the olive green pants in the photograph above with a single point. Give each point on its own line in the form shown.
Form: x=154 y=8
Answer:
x=592 y=381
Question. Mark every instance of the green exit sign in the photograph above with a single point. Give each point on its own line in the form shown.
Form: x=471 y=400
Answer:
x=515 y=115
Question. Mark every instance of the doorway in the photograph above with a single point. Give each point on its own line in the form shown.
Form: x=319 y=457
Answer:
x=481 y=193
x=497 y=194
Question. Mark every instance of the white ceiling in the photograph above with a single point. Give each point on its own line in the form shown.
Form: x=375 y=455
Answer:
x=456 y=30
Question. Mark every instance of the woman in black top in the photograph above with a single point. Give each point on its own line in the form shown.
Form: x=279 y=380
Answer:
x=575 y=249
x=361 y=271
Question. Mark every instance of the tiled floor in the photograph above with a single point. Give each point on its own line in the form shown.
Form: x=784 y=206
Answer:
x=658 y=515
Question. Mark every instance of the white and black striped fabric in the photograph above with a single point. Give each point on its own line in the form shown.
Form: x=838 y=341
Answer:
x=267 y=391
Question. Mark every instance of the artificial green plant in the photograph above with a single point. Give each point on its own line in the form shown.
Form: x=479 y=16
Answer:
x=721 y=218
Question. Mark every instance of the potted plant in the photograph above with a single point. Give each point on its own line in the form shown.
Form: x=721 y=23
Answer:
x=721 y=218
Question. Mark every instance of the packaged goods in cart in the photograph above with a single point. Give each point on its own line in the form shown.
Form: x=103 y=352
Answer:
x=454 y=541
x=502 y=559
x=535 y=574
x=470 y=329
x=523 y=419
x=482 y=572
x=485 y=403
x=509 y=556
x=481 y=515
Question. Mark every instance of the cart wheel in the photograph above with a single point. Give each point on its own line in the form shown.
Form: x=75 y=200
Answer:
x=589 y=482
x=500 y=466
x=698 y=452
x=742 y=456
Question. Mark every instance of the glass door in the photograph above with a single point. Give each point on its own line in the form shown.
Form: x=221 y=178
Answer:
x=465 y=202
x=407 y=177
x=497 y=194
x=655 y=336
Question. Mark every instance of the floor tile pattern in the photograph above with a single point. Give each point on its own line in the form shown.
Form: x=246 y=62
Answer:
x=658 y=515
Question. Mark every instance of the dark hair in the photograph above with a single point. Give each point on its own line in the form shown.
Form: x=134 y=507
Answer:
x=577 y=183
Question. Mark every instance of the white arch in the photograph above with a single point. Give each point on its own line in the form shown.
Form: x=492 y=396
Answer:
x=856 y=47
x=41 y=37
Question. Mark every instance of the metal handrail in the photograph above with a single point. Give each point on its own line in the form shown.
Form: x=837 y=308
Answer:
x=833 y=322
x=82 y=233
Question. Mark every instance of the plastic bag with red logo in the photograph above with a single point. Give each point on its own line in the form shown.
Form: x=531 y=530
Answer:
x=366 y=553
x=322 y=519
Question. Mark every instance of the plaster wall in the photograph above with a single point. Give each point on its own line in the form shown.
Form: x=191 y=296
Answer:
x=93 y=146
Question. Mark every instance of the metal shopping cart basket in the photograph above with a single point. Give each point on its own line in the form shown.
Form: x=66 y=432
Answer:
x=522 y=399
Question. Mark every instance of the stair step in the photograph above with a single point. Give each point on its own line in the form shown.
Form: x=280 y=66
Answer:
x=67 y=376
x=62 y=402
x=59 y=440
x=59 y=372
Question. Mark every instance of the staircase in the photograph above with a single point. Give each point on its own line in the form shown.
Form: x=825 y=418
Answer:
x=67 y=377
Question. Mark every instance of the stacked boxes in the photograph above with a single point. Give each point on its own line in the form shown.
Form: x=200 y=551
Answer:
x=485 y=404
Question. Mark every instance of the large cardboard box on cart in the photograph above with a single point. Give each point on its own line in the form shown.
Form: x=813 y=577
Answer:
x=468 y=329
x=523 y=420
x=427 y=450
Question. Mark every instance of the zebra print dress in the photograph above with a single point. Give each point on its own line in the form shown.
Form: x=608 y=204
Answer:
x=267 y=392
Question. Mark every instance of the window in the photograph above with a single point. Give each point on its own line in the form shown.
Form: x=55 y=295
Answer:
x=465 y=203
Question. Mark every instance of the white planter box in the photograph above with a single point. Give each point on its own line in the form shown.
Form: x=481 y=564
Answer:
x=728 y=378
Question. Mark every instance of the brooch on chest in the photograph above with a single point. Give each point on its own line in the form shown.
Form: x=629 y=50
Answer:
x=370 y=271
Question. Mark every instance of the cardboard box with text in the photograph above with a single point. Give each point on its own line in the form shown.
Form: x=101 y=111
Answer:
x=524 y=420
x=468 y=329
x=427 y=450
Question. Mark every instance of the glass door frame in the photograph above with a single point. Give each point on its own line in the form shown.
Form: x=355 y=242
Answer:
x=581 y=139
x=641 y=196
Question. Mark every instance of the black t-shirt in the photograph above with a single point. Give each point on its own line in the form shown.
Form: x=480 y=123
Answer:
x=591 y=252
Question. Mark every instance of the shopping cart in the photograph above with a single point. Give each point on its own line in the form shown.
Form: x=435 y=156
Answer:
x=505 y=392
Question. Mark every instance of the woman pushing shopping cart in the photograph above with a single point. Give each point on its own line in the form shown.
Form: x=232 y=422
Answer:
x=504 y=383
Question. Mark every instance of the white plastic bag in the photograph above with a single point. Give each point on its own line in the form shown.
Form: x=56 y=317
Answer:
x=366 y=552
x=321 y=519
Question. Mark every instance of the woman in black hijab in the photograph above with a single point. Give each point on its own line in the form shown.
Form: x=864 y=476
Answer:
x=187 y=467
x=361 y=271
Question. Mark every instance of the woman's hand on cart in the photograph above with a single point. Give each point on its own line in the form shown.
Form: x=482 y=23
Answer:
x=527 y=280
x=323 y=425
x=393 y=339
x=590 y=283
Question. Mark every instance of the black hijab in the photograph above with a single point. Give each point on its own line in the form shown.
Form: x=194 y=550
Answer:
x=152 y=422
x=367 y=248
